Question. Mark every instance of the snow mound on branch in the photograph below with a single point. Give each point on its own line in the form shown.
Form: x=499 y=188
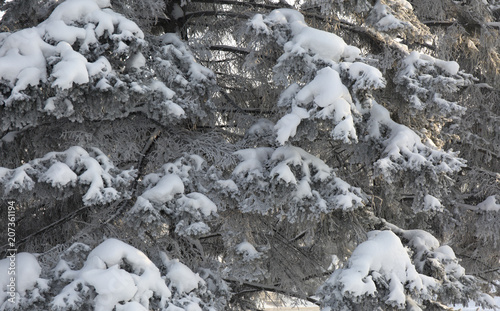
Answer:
x=306 y=39
x=312 y=183
x=252 y=161
x=104 y=270
x=425 y=79
x=432 y=203
x=286 y=127
x=59 y=174
x=165 y=191
x=381 y=261
x=182 y=279
x=490 y=204
x=403 y=148
x=28 y=284
x=330 y=98
x=67 y=168
x=248 y=251
x=440 y=263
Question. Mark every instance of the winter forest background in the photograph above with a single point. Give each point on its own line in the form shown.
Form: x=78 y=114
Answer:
x=199 y=155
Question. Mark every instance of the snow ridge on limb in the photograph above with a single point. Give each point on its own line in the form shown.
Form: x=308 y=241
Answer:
x=167 y=193
x=382 y=272
x=424 y=80
x=313 y=185
x=403 y=148
x=66 y=169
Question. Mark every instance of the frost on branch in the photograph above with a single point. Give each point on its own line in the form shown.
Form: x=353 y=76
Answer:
x=311 y=56
x=439 y=262
x=312 y=185
x=424 y=80
x=176 y=67
x=86 y=62
x=333 y=87
x=397 y=19
x=93 y=171
x=117 y=276
x=167 y=202
x=404 y=149
x=383 y=273
x=28 y=287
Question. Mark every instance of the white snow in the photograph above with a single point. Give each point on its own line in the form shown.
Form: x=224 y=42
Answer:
x=248 y=251
x=261 y=127
x=252 y=161
x=183 y=279
x=228 y=184
x=59 y=174
x=290 y=155
x=404 y=148
x=198 y=201
x=490 y=204
x=416 y=59
x=366 y=76
x=162 y=88
x=432 y=203
x=284 y=173
x=27 y=275
x=24 y=54
x=324 y=44
x=286 y=127
x=71 y=69
x=165 y=190
x=382 y=257
x=324 y=89
x=103 y=270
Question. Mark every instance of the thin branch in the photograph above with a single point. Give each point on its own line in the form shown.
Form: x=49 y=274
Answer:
x=274 y=289
x=244 y=3
x=52 y=225
x=231 y=101
x=190 y=15
x=227 y=48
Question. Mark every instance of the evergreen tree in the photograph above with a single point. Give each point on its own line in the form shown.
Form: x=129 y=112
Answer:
x=190 y=155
